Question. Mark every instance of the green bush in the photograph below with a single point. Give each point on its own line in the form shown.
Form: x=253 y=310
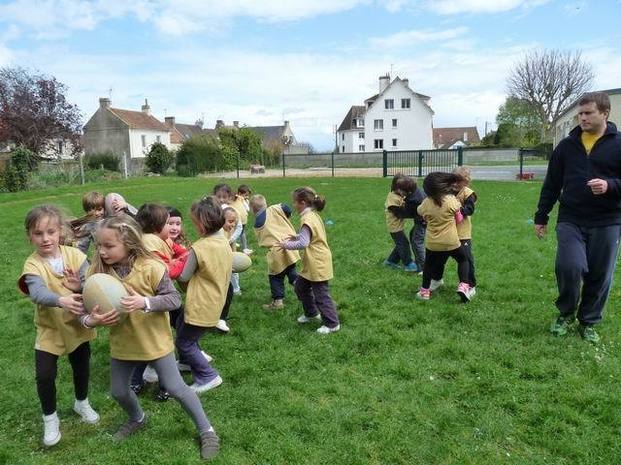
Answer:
x=17 y=173
x=108 y=160
x=159 y=158
x=199 y=154
x=544 y=150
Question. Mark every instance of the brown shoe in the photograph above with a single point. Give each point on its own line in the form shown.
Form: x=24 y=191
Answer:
x=129 y=428
x=210 y=444
x=277 y=304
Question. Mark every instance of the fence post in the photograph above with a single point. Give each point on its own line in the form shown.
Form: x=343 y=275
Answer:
x=125 y=173
x=283 y=164
x=521 y=155
x=460 y=156
x=420 y=163
x=332 y=157
x=384 y=163
x=82 y=180
x=238 y=165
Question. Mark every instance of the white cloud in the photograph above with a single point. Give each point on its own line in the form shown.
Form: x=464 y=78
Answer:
x=416 y=37
x=451 y=7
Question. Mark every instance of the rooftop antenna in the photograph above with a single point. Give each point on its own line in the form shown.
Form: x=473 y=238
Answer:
x=165 y=114
x=110 y=93
x=391 y=66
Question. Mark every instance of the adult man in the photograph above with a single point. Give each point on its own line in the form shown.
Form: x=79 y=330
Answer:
x=584 y=175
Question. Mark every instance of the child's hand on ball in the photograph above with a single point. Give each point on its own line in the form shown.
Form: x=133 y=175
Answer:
x=71 y=280
x=133 y=301
x=102 y=319
x=73 y=303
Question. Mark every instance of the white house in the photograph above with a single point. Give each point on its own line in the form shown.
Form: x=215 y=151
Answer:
x=396 y=118
x=569 y=118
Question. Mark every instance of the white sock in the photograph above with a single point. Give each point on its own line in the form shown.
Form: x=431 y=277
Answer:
x=51 y=416
x=81 y=403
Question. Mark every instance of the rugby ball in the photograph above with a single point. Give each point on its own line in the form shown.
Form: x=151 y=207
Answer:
x=241 y=262
x=103 y=290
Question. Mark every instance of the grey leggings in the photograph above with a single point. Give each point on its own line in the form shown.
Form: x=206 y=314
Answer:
x=168 y=373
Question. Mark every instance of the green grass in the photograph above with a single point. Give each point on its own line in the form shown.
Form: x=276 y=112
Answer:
x=403 y=382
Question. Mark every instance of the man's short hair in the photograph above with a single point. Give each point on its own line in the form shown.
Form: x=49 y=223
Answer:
x=600 y=99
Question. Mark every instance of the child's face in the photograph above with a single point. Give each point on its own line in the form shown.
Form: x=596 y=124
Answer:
x=164 y=233
x=110 y=247
x=222 y=196
x=45 y=236
x=230 y=221
x=174 y=227
x=245 y=195
x=299 y=205
x=97 y=212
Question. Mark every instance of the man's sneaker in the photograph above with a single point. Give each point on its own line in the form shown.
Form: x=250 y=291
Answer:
x=185 y=367
x=327 y=330
x=435 y=285
x=222 y=326
x=200 y=388
x=84 y=409
x=562 y=325
x=463 y=291
x=51 y=429
x=423 y=294
x=588 y=333
x=150 y=375
x=137 y=388
x=162 y=395
x=392 y=264
x=412 y=267
x=129 y=428
x=210 y=444
x=276 y=304
x=307 y=319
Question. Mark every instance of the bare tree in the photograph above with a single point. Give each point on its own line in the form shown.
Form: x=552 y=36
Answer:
x=35 y=113
x=550 y=80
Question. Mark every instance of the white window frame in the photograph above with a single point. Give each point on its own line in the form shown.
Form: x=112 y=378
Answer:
x=394 y=122
x=143 y=140
x=389 y=104
x=378 y=124
x=404 y=101
x=378 y=144
x=361 y=135
x=361 y=148
x=394 y=142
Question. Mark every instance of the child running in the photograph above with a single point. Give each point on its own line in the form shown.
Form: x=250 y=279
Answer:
x=144 y=335
x=52 y=277
x=468 y=198
x=441 y=212
x=84 y=227
x=312 y=285
x=401 y=186
x=241 y=204
x=271 y=225
x=208 y=273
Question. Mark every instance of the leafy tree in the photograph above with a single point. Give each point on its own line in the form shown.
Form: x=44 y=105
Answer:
x=35 y=113
x=518 y=124
x=550 y=80
x=197 y=155
x=17 y=171
x=159 y=158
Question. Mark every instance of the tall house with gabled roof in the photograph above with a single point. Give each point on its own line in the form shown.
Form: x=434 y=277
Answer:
x=396 y=118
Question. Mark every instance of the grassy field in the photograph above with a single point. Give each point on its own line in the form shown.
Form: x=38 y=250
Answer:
x=403 y=382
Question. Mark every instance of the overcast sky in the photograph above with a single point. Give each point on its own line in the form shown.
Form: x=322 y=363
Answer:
x=306 y=61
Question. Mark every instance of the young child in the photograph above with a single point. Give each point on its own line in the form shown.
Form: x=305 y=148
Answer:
x=401 y=186
x=52 y=277
x=441 y=212
x=84 y=227
x=224 y=194
x=468 y=198
x=230 y=222
x=208 y=273
x=115 y=204
x=175 y=227
x=271 y=225
x=144 y=335
x=311 y=285
x=242 y=207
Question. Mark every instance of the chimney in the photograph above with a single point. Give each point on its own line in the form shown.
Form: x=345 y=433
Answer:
x=236 y=124
x=219 y=124
x=406 y=82
x=199 y=123
x=384 y=81
x=104 y=102
x=465 y=136
x=170 y=121
x=146 y=108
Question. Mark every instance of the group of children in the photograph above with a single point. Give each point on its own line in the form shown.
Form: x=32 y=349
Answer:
x=147 y=251
x=442 y=229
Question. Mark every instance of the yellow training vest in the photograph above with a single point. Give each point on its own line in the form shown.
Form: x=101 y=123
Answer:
x=441 y=234
x=393 y=223
x=59 y=331
x=141 y=335
x=154 y=243
x=464 y=229
x=276 y=228
x=208 y=287
x=317 y=259
x=238 y=205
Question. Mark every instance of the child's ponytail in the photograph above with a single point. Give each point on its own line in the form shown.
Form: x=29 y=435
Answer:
x=438 y=184
x=310 y=198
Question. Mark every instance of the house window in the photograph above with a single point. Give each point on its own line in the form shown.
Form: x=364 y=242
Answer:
x=158 y=139
x=394 y=142
x=394 y=122
x=378 y=124
x=389 y=104
x=143 y=139
x=378 y=143
x=405 y=103
x=360 y=122
x=343 y=136
x=343 y=149
x=361 y=135
x=361 y=148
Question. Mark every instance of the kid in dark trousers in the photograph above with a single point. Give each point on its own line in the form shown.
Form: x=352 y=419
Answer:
x=468 y=198
x=401 y=186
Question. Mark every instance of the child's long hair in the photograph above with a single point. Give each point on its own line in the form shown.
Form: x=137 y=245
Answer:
x=129 y=234
x=50 y=211
x=403 y=183
x=439 y=184
x=310 y=198
x=207 y=214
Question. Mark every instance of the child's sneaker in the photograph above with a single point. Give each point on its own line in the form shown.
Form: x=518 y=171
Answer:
x=137 y=388
x=435 y=285
x=276 y=304
x=392 y=264
x=51 y=429
x=327 y=330
x=411 y=267
x=162 y=395
x=237 y=292
x=222 y=326
x=210 y=444
x=200 y=388
x=86 y=412
x=150 y=375
x=423 y=294
x=562 y=325
x=463 y=291
x=185 y=367
x=588 y=333
x=129 y=428
x=248 y=251
x=307 y=319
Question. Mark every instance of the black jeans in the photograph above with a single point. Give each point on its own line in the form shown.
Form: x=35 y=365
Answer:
x=467 y=246
x=277 y=281
x=417 y=241
x=401 y=252
x=435 y=261
x=224 y=315
x=46 y=368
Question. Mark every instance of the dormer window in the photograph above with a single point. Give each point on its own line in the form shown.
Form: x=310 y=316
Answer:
x=389 y=104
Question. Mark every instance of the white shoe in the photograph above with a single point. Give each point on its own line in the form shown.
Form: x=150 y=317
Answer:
x=51 y=429
x=248 y=251
x=214 y=383
x=307 y=319
x=222 y=326
x=237 y=292
x=150 y=375
x=327 y=330
x=186 y=367
x=473 y=291
x=435 y=285
x=84 y=409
